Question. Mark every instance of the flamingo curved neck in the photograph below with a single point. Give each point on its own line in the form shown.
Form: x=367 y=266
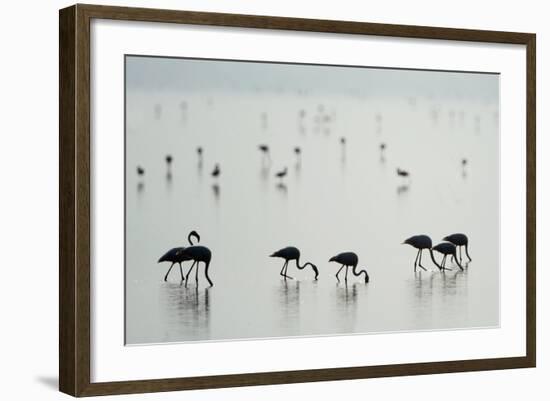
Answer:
x=358 y=273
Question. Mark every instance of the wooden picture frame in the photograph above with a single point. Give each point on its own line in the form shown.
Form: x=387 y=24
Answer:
x=74 y=199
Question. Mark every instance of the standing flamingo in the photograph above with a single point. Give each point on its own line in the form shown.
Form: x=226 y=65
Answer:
x=265 y=153
x=175 y=255
x=402 y=173
x=460 y=240
x=292 y=253
x=446 y=249
x=347 y=259
x=216 y=172
x=421 y=242
x=198 y=253
x=281 y=174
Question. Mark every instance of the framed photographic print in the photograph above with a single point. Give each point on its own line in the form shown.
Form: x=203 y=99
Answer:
x=302 y=199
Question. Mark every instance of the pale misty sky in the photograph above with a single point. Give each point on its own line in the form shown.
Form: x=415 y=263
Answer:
x=165 y=74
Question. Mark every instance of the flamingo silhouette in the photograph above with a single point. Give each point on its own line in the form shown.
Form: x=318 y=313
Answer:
x=298 y=153
x=421 y=242
x=348 y=259
x=402 y=173
x=460 y=240
x=168 y=159
x=281 y=174
x=175 y=255
x=198 y=253
x=446 y=249
x=265 y=152
x=292 y=253
x=140 y=170
x=216 y=172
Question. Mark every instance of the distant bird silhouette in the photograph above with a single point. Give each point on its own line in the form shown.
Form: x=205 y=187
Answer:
x=198 y=253
x=265 y=152
x=446 y=249
x=281 y=174
x=402 y=173
x=421 y=242
x=298 y=151
x=175 y=255
x=464 y=162
x=343 y=140
x=348 y=259
x=168 y=159
x=382 y=152
x=140 y=170
x=292 y=253
x=199 y=154
x=216 y=172
x=460 y=240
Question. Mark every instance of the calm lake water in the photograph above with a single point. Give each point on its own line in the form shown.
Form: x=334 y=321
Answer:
x=338 y=198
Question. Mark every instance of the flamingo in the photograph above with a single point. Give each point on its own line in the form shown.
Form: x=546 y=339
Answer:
x=281 y=174
x=292 y=253
x=460 y=240
x=198 y=253
x=140 y=170
x=168 y=159
x=265 y=152
x=421 y=242
x=298 y=152
x=446 y=249
x=347 y=259
x=402 y=173
x=175 y=255
x=216 y=171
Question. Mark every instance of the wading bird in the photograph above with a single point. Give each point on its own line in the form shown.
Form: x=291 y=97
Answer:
x=175 y=255
x=168 y=159
x=281 y=174
x=348 y=259
x=446 y=249
x=292 y=253
x=402 y=173
x=140 y=170
x=421 y=242
x=460 y=240
x=216 y=171
x=198 y=253
x=265 y=152
x=298 y=153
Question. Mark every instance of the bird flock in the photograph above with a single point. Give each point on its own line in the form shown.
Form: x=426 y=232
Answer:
x=451 y=247
x=346 y=260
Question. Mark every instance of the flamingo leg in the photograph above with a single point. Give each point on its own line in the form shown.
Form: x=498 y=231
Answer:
x=168 y=272
x=197 y=275
x=416 y=260
x=460 y=253
x=189 y=272
x=283 y=269
x=181 y=271
x=339 y=270
x=443 y=262
x=420 y=260
x=346 y=279
x=286 y=275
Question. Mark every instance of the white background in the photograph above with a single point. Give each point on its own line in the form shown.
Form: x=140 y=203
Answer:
x=111 y=361
x=28 y=212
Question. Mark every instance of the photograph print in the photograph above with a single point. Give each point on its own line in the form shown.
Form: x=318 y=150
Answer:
x=279 y=200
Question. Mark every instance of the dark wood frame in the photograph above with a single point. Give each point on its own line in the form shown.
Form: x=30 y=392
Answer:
x=74 y=199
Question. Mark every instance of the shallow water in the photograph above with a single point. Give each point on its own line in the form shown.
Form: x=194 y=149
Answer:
x=338 y=198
